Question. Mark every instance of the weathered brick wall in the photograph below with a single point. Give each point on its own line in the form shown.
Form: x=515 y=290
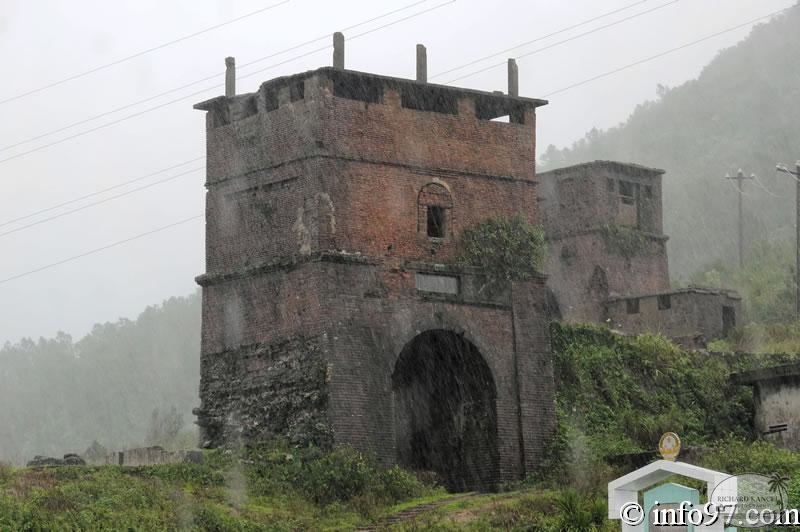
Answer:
x=354 y=185
x=336 y=378
x=587 y=196
x=584 y=270
x=581 y=211
x=321 y=124
x=316 y=231
x=259 y=391
x=371 y=334
x=689 y=316
x=534 y=370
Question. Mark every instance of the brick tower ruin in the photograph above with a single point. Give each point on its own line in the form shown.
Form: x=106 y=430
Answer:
x=333 y=307
x=608 y=256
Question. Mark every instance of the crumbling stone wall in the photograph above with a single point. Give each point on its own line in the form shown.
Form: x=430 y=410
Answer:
x=260 y=391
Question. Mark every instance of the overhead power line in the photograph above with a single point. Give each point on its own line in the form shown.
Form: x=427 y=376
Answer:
x=559 y=43
x=86 y=196
x=763 y=187
x=97 y=192
x=141 y=53
x=356 y=36
x=217 y=86
x=666 y=52
x=207 y=78
x=103 y=248
x=99 y=202
x=541 y=38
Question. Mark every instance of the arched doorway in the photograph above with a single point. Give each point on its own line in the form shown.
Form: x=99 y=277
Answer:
x=445 y=413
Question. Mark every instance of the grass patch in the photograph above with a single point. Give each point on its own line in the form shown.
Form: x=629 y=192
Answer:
x=270 y=487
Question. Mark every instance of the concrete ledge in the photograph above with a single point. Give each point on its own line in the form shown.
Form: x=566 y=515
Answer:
x=787 y=372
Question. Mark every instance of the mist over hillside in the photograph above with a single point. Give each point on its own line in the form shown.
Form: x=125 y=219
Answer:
x=59 y=395
x=741 y=112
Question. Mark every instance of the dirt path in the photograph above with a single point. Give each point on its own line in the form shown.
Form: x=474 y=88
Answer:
x=409 y=514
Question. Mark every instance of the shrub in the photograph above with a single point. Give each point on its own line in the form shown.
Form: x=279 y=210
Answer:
x=738 y=456
x=341 y=475
x=505 y=248
x=212 y=517
x=397 y=484
x=338 y=475
x=575 y=513
x=626 y=241
x=5 y=473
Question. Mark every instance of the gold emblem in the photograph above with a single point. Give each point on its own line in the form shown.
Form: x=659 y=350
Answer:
x=669 y=446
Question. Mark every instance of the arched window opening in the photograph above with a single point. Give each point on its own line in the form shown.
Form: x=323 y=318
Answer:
x=435 y=207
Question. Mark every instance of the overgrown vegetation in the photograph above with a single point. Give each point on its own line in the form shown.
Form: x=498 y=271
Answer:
x=762 y=338
x=270 y=487
x=738 y=456
x=617 y=395
x=506 y=248
x=547 y=510
x=566 y=509
x=626 y=241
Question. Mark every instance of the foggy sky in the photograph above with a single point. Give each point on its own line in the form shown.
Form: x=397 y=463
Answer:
x=47 y=40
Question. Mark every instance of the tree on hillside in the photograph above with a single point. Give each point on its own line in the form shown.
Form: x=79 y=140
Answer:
x=59 y=395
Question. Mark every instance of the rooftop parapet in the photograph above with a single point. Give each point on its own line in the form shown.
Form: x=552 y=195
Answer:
x=631 y=169
x=415 y=94
x=369 y=88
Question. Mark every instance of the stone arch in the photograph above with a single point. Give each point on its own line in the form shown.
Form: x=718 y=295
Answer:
x=435 y=210
x=445 y=411
x=598 y=284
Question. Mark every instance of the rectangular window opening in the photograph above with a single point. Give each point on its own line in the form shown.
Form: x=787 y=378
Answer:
x=429 y=99
x=664 y=302
x=626 y=193
x=632 y=306
x=728 y=319
x=610 y=185
x=436 y=221
x=352 y=88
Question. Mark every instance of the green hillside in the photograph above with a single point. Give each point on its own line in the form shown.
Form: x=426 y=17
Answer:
x=741 y=111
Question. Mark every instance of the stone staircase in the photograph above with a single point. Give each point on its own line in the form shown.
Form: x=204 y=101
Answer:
x=409 y=514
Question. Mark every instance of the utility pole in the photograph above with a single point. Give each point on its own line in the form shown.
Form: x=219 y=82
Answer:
x=740 y=177
x=796 y=175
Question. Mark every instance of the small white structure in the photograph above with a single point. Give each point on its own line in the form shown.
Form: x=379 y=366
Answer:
x=625 y=490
